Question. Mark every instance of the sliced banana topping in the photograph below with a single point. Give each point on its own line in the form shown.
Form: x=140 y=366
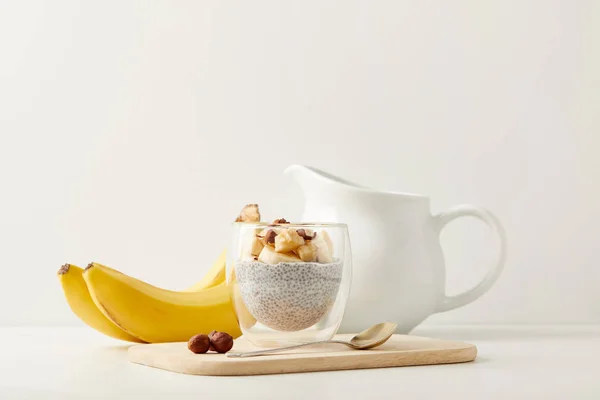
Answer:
x=324 y=252
x=278 y=243
x=257 y=246
x=325 y=236
x=288 y=240
x=307 y=252
x=269 y=256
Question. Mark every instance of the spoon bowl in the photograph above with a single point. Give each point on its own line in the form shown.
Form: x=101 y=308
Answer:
x=373 y=336
x=369 y=338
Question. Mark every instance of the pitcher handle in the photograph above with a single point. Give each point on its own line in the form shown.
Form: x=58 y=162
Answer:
x=441 y=220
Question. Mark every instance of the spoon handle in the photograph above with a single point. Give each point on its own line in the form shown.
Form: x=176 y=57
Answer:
x=271 y=351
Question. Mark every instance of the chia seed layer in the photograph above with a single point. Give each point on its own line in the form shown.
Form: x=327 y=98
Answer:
x=288 y=296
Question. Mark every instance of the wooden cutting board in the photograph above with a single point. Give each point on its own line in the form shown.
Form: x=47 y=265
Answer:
x=398 y=351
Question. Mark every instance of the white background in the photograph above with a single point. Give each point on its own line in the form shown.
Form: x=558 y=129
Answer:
x=133 y=131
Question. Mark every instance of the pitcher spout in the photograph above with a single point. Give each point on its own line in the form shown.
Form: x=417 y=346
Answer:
x=310 y=176
x=322 y=192
x=296 y=171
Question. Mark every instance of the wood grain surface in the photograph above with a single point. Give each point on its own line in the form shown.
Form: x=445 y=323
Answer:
x=400 y=350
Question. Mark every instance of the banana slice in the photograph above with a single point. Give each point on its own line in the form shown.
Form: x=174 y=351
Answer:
x=307 y=252
x=246 y=245
x=288 y=240
x=257 y=246
x=269 y=256
x=324 y=253
x=325 y=236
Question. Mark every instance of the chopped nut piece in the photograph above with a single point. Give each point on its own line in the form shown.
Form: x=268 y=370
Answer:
x=307 y=234
x=260 y=234
x=250 y=213
x=279 y=221
x=269 y=237
x=288 y=240
x=307 y=252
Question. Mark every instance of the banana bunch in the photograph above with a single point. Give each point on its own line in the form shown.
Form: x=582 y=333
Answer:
x=129 y=309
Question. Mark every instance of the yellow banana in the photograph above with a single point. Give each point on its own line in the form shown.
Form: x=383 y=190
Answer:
x=83 y=306
x=81 y=303
x=245 y=319
x=158 y=315
x=215 y=276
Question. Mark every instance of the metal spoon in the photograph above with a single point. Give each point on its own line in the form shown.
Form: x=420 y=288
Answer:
x=367 y=339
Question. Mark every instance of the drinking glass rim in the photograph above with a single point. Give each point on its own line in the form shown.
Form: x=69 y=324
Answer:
x=294 y=224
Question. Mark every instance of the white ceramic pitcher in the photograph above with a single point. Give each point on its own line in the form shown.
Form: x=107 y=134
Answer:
x=398 y=265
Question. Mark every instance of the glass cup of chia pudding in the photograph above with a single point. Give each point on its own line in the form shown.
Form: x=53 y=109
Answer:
x=289 y=282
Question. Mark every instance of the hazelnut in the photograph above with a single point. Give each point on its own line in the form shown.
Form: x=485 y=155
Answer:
x=221 y=342
x=199 y=344
x=270 y=236
x=210 y=335
x=307 y=234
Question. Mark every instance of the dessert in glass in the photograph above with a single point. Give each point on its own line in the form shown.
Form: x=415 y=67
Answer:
x=289 y=282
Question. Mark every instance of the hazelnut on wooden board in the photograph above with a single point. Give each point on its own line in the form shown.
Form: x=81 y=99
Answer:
x=199 y=343
x=221 y=342
x=210 y=337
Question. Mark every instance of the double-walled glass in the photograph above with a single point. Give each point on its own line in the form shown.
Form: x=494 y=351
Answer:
x=289 y=282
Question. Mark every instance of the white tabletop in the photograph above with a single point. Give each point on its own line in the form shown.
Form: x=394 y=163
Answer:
x=549 y=362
